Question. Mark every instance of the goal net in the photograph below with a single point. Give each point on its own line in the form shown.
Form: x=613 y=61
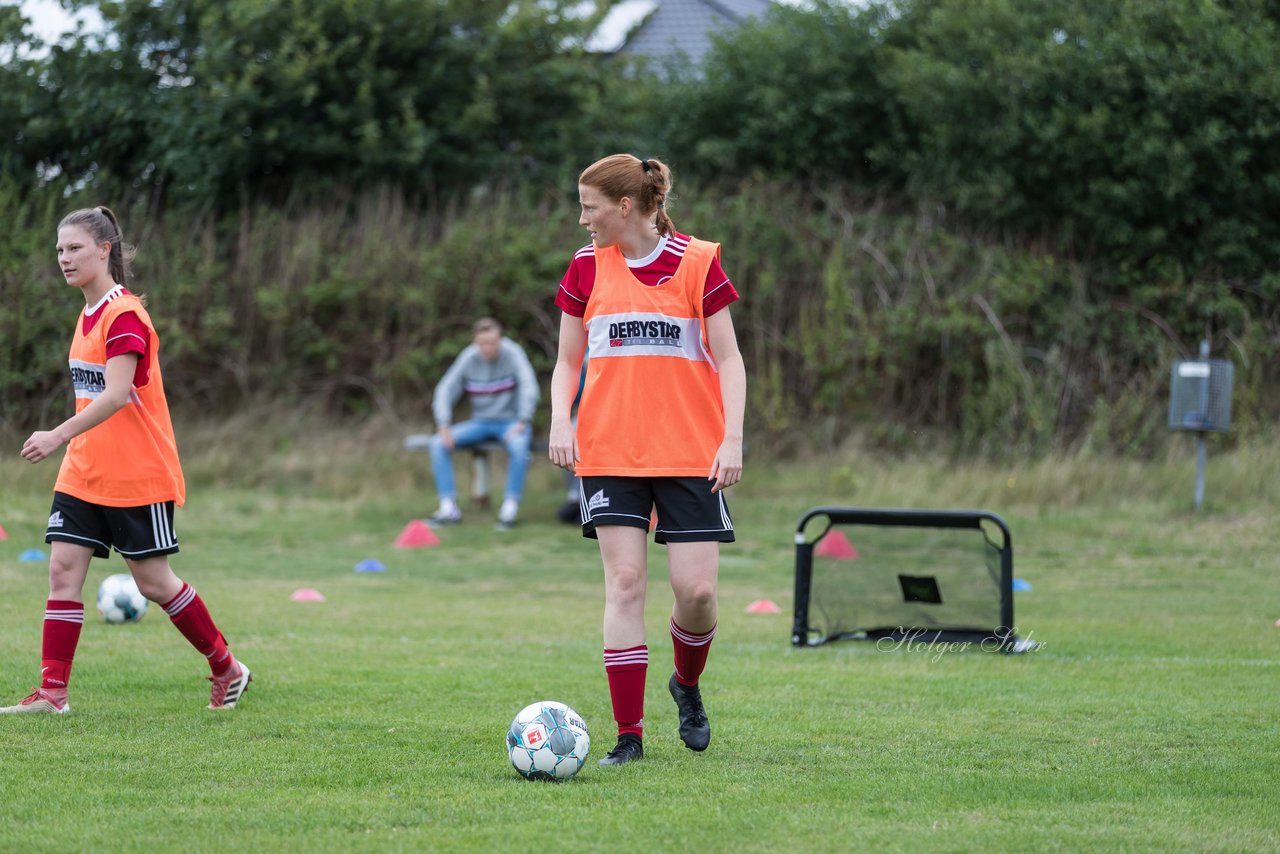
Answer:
x=926 y=575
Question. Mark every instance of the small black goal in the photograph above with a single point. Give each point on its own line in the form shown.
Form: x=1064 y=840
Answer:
x=905 y=575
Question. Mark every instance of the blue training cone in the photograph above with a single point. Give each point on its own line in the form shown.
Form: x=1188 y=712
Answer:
x=32 y=555
x=1021 y=586
x=370 y=565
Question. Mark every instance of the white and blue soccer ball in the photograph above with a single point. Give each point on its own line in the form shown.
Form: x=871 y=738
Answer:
x=119 y=600
x=548 y=741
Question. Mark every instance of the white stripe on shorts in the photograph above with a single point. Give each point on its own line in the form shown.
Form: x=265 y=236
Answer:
x=163 y=534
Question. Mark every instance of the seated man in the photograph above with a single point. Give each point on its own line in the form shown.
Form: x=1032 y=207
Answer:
x=496 y=375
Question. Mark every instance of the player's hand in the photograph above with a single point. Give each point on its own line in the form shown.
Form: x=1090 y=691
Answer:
x=562 y=446
x=727 y=468
x=40 y=444
x=446 y=437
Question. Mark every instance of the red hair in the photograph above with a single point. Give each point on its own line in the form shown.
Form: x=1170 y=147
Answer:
x=646 y=182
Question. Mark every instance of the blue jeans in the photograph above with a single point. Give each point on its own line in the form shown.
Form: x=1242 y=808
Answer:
x=473 y=432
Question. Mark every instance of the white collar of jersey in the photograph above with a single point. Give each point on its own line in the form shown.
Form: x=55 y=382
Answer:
x=106 y=298
x=651 y=257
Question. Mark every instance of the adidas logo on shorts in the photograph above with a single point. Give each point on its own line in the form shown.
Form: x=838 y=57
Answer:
x=597 y=500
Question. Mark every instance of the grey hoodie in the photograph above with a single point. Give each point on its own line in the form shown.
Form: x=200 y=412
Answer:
x=502 y=390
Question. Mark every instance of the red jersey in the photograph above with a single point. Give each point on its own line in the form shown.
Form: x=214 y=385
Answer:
x=654 y=269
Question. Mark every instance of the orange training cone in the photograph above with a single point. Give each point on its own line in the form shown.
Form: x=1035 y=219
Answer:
x=653 y=519
x=4 y=535
x=417 y=534
x=836 y=544
x=764 y=606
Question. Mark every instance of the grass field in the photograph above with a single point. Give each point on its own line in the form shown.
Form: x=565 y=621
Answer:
x=1146 y=721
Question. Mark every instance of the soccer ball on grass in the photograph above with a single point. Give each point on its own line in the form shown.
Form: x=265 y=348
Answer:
x=119 y=600
x=548 y=741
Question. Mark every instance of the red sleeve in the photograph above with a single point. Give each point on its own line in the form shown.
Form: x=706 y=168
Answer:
x=128 y=335
x=575 y=287
x=718 y=291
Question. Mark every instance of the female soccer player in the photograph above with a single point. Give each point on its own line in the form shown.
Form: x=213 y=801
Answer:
x=120 y=478
x=659 y=425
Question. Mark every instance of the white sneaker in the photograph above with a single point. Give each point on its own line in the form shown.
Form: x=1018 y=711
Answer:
x=445 y=516
x=507 y=515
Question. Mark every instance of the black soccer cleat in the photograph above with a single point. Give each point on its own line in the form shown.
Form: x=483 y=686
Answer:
x=628 y=749
x=695 y=729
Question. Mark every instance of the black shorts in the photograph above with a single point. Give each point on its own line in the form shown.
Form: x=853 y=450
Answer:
x=136 y=532
x=688 y=511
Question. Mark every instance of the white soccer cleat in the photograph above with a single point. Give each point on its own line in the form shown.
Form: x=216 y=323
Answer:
x=226 y=689
x=40 y=702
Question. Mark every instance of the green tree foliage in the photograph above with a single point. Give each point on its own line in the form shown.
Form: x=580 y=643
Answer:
x=222 y=101
x=797 y=93
x=1128 y=130
x=18 y=90
x=1140 y=130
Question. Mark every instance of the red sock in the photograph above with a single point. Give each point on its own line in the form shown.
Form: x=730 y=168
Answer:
x=691 y=653
x=63 y=620
x=188 y=613
x=626 y=669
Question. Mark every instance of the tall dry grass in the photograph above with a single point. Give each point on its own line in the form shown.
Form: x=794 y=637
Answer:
x=858 y=318
x=302 y=451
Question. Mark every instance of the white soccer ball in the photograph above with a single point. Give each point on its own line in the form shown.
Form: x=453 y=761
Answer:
x=548 y=741
x=119 y=600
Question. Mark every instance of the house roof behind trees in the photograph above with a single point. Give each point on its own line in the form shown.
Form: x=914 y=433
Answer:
x=661 y=28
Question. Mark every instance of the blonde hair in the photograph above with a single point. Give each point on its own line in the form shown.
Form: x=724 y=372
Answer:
x=646 y=182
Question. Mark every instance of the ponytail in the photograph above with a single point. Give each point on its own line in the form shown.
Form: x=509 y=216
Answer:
x=657 y=180
x=116 y=262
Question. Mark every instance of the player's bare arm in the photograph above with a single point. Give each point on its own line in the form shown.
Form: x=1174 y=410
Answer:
x=726 y=469
x=119 y=383
x=562 y=445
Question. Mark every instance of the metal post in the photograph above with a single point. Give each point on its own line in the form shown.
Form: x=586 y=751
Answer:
x=1204 y=415
x=1199 y=470
x=480 y=479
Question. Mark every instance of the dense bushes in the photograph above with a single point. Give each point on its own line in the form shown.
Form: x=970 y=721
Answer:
x=856 y=318
x=992 y=221
x=360 y=303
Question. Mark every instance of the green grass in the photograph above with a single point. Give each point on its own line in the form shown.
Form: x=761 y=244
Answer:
x=1147 y=721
